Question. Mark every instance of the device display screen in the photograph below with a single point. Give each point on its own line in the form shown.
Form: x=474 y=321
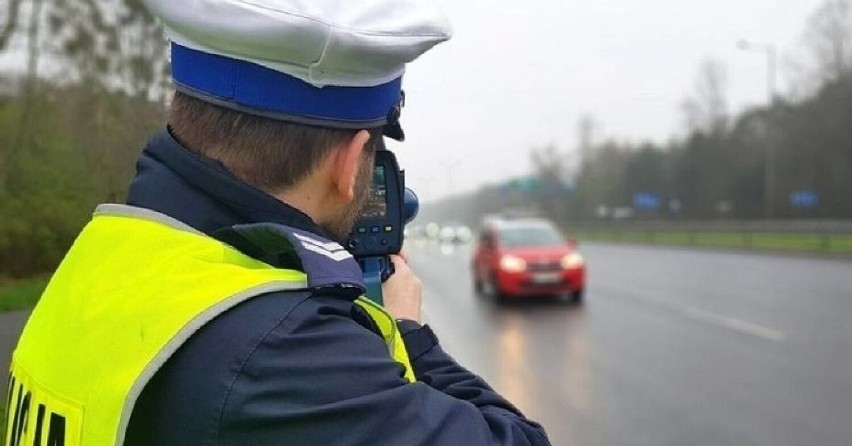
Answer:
x=376 y=207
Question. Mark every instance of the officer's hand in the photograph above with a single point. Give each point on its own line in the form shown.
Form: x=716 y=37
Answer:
x=401 y=292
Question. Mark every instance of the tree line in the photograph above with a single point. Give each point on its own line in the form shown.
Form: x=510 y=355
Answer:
x=759 y=166
x=788 y=159
x=73 y=117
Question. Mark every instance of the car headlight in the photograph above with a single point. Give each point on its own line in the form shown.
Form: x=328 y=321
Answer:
x=512 y=264
x=571 y=261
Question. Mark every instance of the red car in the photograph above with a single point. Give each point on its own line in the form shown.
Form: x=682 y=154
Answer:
x=529 y=257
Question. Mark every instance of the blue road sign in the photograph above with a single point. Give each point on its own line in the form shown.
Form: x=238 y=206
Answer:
x=804 y=199
x=647 y=201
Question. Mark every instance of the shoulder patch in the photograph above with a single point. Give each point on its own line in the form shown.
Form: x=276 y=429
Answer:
x=332 y=250
x=325 y=262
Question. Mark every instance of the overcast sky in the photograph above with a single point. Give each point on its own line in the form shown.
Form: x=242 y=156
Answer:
x=518 y=75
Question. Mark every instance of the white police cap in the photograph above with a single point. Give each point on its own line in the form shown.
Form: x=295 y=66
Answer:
x=334 y=63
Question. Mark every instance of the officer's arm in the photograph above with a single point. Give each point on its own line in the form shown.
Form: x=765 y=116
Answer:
x=321 y=378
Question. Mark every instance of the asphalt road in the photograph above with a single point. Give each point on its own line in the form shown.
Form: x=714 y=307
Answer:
x=11 y=324
x=672 y=347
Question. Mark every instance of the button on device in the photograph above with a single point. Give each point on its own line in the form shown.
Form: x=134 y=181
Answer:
x=353 y=243
x=388 y=228
x=375 y=229
x=362 y=230
x=384 y=242
x=371 y=243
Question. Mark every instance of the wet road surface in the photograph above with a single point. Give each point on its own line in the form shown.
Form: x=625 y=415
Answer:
x=11 y=324
x=672 y=347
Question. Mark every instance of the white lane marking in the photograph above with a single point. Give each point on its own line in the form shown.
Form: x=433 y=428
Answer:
x=738 y=325
x=741 y=326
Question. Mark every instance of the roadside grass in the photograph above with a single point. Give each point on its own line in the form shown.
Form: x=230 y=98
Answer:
x=16 y=294
x=812 y=243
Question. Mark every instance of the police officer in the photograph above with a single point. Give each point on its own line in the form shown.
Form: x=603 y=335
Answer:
x=216 y=307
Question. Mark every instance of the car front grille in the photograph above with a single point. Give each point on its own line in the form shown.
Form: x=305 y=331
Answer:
x=543 y=266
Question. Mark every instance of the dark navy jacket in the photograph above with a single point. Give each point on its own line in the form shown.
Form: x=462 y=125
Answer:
x=297 y=368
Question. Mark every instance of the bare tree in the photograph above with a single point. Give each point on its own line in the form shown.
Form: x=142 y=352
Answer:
x=707 y=109
x=829 y=39
x=555 y=171
x=33 y=46
x=112 y=45
x=10 y=22
x=587 y=129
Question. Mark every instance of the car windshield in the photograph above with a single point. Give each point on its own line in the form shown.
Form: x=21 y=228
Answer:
x=530 y=236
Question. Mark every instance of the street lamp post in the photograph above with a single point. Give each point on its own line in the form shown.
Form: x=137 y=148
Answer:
x=771 y=52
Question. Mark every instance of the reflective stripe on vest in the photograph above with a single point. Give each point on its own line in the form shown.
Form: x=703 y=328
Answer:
x=133 y=288
x=390 y=333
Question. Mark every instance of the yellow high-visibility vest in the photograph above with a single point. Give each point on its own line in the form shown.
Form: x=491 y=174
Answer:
x=134 y=287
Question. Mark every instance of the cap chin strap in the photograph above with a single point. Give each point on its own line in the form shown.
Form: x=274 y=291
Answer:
x=393 y=129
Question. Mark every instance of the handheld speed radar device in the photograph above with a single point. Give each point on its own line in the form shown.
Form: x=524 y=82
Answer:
x=378 y=232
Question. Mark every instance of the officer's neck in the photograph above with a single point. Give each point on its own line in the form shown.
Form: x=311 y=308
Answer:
x=315 y=197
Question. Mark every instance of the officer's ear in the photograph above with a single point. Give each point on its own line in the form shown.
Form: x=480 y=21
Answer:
x=345 y=164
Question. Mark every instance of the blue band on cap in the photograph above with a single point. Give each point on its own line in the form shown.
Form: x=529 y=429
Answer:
x=254 y=87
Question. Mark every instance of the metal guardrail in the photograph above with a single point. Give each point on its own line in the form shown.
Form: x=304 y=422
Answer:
x=739 y=226
x=833 y=236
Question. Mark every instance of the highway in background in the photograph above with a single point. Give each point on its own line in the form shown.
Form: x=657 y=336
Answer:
x=673 y=347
